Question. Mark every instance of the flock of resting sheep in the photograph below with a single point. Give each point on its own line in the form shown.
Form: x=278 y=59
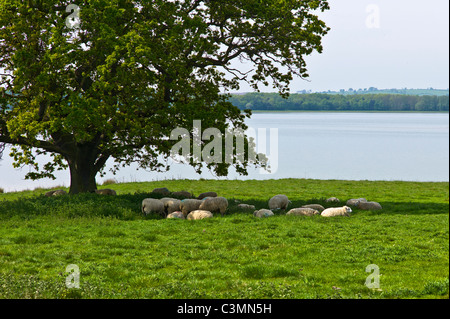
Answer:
x=208 y=203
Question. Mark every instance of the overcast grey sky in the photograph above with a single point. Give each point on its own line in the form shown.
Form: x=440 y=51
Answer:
x=408 y=48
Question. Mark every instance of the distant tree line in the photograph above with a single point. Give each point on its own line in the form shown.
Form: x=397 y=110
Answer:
x=330 y=102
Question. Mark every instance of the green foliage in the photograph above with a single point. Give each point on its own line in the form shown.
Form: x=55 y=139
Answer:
x=338 y=102
x=122 y=254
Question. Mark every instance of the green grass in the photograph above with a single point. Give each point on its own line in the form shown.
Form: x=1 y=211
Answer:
x=122 y=254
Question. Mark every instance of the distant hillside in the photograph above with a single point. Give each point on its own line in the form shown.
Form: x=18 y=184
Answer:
x=373 y=90
x=340 y=102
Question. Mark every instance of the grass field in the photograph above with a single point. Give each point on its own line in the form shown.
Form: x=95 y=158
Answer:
x=122 y=254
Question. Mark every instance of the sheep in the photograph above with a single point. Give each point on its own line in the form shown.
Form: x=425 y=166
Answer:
x=332 y=200
x=106 y=191
x=199 y=214
x=56 y=193
x=369 y=206
x=171 y=204
x=214 y=204
x=184 y=194
x=303 y=211
x=152 y=205
x=337 y=211
x=246 y=206
x=207 y=194
x=162 y=191
x=263 y=213
x=189 y=205
x=355 y=201
x=318 y=207
x=177 y=214
x=279 y=202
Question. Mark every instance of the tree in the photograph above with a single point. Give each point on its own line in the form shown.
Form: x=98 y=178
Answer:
x=119 y=81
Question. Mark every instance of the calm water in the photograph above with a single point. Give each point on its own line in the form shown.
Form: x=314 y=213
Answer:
x=350 y=146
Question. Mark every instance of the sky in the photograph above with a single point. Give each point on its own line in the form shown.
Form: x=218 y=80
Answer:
x=382 y=44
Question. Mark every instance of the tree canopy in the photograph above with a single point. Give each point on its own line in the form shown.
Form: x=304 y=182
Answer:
x=117 y=82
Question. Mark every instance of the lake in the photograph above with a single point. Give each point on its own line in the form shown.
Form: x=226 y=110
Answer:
x=316 y=145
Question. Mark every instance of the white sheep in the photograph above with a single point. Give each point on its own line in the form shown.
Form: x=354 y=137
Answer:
x=303 y=211
x=199 y=214
x=355 y=201
x=263 y=213
x=318 y=207
x=171 y=204
x=332 y=200
x=214 y=204
x=176 y=215
x=337 y=211
x=369 y=206
x=207 y=194
x=246 y=206
x=152 y=205
x=106 y=191
x=189 y=205
x=279 y=202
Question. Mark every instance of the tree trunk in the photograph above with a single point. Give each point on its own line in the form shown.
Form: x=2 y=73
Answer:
x=83 y=170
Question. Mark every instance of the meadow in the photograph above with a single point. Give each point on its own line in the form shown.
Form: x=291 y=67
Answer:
x=123 y=254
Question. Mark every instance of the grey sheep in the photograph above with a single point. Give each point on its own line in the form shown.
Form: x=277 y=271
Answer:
x=152 y=205
x=332 y=200
x=303 y=211
x=177 y=214
x=184 y=194
x=207 y=194
x=171 y=204
x=337 y=211
x=369 y=206
x=106 y=191
x=214 y=204
x=355 y=201
x=246 y=206
x=263 y=213
x=189 y=205
x=199 y=214
x=318 y=207
x=162 y=191
x=279 y=202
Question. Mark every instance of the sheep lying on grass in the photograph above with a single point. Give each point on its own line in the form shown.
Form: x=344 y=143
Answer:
x=214 y=204
x=369 y=206
x=171 y=204
x=184 y=194
x=279 y=202
x=207 y=194
x=199 y=214
x=162 y=191
x=57 y=192
x=318 y=207
x=246 y=206
x=337 y=211
x=176 y=215
x=355 y=201
x=152 y=205
x=189 y=205
x=303 y=211
x=332 y=200
x=106 y=191
x=263 y=213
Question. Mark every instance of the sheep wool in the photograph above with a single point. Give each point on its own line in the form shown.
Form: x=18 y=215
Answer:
x=263 y=213
x=199 y=214
x=303 y=211
x=171 y=204
x=152 y=205
x=106 y=191
x=189 y=205
x=318 y=207
x=279 y=202
x=178 y=215
x=162 y=191
x=355 y=201
x=332 y=200
x=246 y=206
x=369 y=206
x=337 y=211
x=214 y=204
x=184 y=194
x=207 y=194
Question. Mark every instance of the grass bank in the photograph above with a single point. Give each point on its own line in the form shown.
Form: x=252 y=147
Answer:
x=122 y=254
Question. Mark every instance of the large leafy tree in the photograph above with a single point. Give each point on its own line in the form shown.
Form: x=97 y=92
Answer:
x=116 y=81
